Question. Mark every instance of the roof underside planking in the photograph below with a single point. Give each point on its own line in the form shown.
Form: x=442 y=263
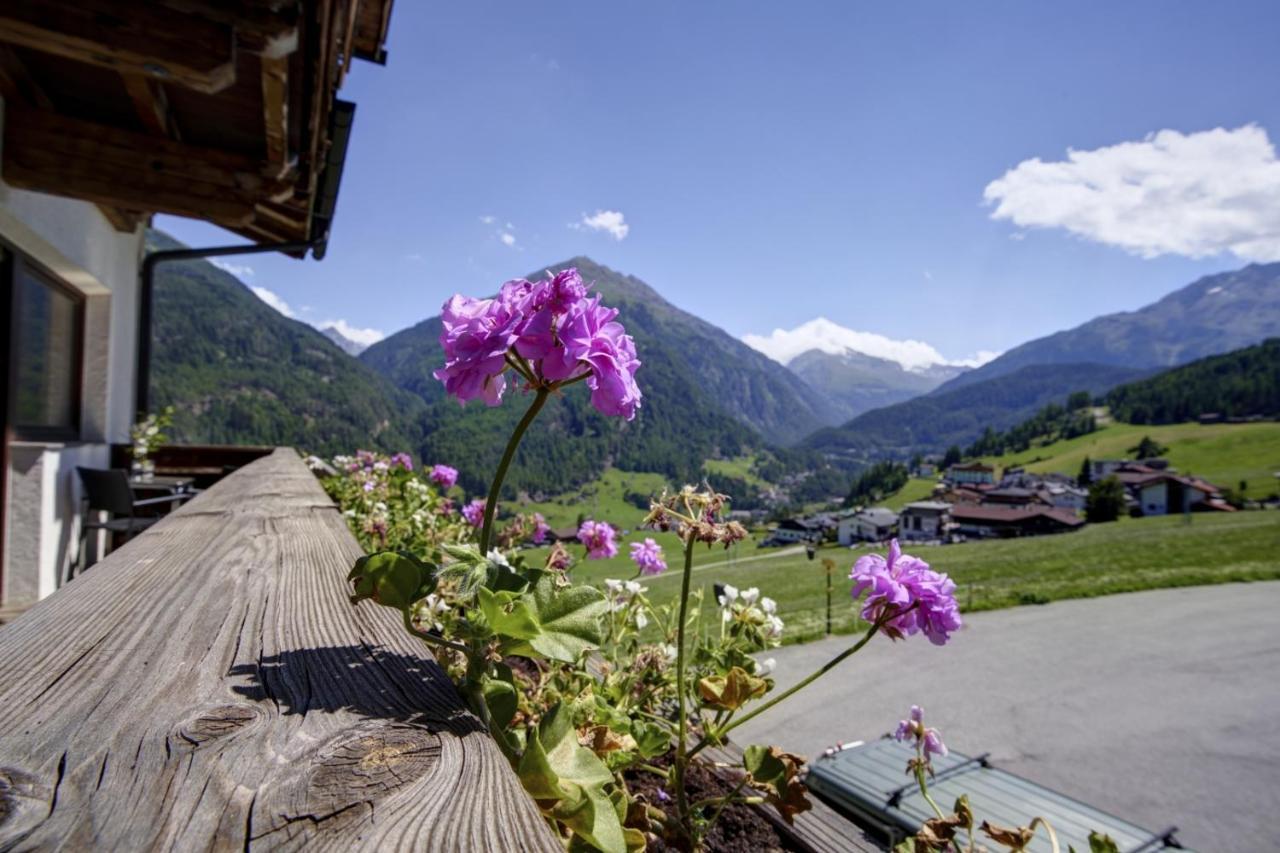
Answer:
x=219 y=110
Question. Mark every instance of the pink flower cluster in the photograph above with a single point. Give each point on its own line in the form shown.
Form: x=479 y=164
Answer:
x=443 y=476
x=647 y=556
x=540 y=529
x=404 y=460
x=474 y=512
x=914 y=729
x=906 y=585
x=550 y=325
x=598 y=537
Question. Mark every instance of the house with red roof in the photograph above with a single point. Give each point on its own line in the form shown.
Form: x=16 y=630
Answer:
x=1160 y=492
x=985 y=521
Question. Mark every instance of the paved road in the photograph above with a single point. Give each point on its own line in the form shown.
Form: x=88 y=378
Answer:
x=1162 y=707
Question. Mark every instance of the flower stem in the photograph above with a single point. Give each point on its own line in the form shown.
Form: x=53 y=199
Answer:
x=1053 y=836
x=431 y=638
x=814 y=676
x=491 y=505
x=682 y=731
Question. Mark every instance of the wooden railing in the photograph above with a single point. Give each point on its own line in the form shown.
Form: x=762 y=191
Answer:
x=208 y=686
x=206 y=463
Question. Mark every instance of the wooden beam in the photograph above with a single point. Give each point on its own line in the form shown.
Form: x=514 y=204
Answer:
x=283 y=216
x=269 y=27
x=209 y=687
x=124 y=221
x=16 y=84
x=129 y=37
x=275 y=111
x=18 y=88
x=151 y=104
x=133 y=171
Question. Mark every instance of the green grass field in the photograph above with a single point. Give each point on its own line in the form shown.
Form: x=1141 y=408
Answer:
x=738 y=466
x=1223 y=454
x=605 y=499
x=1101 y=559
x=916 y=489
x=1128 y=555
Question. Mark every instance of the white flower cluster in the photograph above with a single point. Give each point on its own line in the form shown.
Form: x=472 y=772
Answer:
x=430 y=609
x=749 y=606
x=622 y=594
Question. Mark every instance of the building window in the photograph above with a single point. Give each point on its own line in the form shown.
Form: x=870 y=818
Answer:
x=46 y=323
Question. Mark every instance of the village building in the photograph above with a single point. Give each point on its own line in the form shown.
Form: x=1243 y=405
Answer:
x=1016 y=496
x=792 y=530
x=973 y=473
x=925 y=521
x=992 y=521
x=1156 y=492
x=1066 y=495
x=875 y=524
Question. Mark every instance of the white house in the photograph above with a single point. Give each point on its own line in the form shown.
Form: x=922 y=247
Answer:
x=971 y=473
x=1066 y=496
x=792 y=530
x=924 y=521
x=875 y=524
x=100 y=129
x=71 y=292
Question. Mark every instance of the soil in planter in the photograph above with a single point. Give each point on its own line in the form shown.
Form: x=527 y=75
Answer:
x=740 y=829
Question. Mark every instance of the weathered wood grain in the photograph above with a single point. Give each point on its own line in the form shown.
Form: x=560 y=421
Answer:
x=208 y=687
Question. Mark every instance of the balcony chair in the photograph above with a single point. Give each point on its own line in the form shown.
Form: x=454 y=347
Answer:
x=109 y=491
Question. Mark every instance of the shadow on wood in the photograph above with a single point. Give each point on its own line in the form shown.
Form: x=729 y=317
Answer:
x=369 y=682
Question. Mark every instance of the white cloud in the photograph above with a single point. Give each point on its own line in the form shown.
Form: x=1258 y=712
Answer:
x=978 y=359
x=488 y=220
x=507 y=238
x=610 y=221
x=782 y=345
x=237 y=270
x=272 y=299
x=1191 y=194
x=364 y=337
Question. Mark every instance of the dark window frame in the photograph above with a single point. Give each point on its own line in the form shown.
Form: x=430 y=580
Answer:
x=16 y=263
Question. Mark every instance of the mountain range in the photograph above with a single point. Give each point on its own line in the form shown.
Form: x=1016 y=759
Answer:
x=1215 y=314
x=344 y=343
x=239 y=372
x=855 y=382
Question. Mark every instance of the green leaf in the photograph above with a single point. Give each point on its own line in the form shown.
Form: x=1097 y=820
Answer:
x=733 y=691
x=391 y=578
x=468 y=554
x=590 y=814
x=1099 y=843
x=651 y=739
x=567 y=757
x=570 y=620
x=763 y=766
x=500 y=697
x=556 y=767
x=508 y=614
x=535 y=772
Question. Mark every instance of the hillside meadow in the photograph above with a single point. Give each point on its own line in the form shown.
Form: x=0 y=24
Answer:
x=1223 y=454
x=1102 y=559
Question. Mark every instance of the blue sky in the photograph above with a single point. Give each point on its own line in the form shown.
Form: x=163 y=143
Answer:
x=778 y=162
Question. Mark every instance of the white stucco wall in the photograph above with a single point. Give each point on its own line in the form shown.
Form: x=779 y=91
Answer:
x=74 y=241
x=1155 y=499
